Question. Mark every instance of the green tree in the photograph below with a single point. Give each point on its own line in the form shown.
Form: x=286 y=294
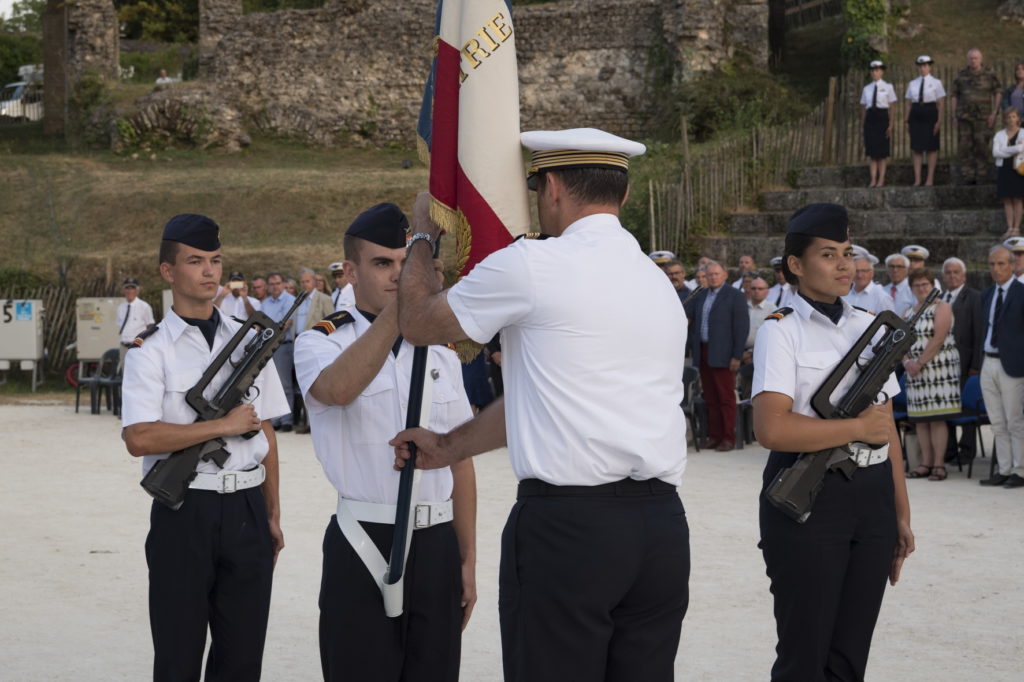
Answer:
x=165 y=21
x=26 y=17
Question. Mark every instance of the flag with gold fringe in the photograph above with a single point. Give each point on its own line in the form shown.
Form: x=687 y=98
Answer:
x=468 y=130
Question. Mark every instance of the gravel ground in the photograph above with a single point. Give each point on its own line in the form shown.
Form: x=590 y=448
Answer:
x=73 y=585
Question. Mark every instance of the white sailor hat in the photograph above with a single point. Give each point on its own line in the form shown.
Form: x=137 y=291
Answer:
x=335 y=267
x=877 y=64
x=915 y=251
x=861 y=252
x=1015 y=244
x=578 y=148
x=660 y=257
x=923 y=59
x=776 y=263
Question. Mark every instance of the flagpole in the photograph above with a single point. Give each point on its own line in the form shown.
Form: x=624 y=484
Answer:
x=417 y=414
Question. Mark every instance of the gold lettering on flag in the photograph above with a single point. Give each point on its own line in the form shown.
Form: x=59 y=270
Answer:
x=475 y=53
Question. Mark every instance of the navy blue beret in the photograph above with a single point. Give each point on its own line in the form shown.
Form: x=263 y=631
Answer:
x=828 y=221
x=193 y=230
x=383 y=224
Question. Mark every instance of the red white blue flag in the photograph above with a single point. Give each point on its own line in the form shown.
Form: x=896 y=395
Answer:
x=469 y=129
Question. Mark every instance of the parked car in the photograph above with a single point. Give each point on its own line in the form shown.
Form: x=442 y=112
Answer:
x=22 y=101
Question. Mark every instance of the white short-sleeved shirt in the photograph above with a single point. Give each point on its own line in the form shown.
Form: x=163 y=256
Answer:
x=170 y=361
x=592 y=354
x=933 y=90
x=344 y=298
x=234 y=306
x=351 y=441
x=886 y=95
x=873 y=298
x=795 y=355
x=140 y=316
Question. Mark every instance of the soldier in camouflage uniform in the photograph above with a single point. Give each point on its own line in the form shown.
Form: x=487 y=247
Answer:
x=976 y=94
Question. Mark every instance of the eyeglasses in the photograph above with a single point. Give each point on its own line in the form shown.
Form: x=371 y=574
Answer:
x=893 y=266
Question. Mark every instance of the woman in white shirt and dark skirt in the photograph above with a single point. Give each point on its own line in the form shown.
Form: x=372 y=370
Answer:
x=876 y=99
x=924 y=118
x=1006 y=144
x=828 y=573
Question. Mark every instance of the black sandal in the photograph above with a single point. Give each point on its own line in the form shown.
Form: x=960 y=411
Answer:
x=936 y=476
x=917 y=473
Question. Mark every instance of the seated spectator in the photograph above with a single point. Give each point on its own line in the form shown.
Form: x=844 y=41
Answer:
x=1006 y=144
x=933 y=377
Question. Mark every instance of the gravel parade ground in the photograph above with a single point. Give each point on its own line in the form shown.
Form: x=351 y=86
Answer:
x=73 y=583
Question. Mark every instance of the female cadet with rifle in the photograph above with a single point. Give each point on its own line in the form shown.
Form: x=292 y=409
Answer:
x=828 y=569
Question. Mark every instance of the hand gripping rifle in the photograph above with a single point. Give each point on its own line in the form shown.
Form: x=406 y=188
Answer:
x=168 y=480
x=795 y=488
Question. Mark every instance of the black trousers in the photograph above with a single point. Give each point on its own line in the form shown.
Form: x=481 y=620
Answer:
x=593 y=586
x=210 y=566
x=358 y=642
x=828 y=574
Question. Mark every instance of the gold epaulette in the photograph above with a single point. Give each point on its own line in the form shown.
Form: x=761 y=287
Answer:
x=141 y=338
x=779 y=314
x=332 y=322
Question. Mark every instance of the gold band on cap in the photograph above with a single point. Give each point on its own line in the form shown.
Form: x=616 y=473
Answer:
x=568 y=158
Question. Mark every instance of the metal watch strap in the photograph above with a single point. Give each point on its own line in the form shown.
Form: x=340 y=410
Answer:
x=421 y=235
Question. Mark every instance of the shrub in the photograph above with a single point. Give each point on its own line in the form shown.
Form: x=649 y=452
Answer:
x=17 y=49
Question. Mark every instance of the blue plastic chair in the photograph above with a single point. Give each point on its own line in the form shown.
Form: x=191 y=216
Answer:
x=972 y=404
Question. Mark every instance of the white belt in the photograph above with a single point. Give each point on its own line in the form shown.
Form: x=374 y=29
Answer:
x=427 y=514
x=229 y=481
x=865 y=456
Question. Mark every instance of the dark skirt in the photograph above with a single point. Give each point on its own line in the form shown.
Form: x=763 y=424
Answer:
x=876 y=122
x=922 y=126
x=1009 y=183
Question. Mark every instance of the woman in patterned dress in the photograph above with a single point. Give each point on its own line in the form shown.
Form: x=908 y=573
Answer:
x=933 y=378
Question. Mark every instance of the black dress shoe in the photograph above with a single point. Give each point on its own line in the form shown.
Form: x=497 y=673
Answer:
x=1014 y=481
x=998 y=479
x=285 y=428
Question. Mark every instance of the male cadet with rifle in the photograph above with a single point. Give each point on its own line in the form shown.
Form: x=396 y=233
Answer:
x=595 y=556
x=211 y=560
x=354 y=371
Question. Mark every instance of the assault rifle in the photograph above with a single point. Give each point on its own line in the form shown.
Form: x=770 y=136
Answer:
x=795 y=488
x=168 y=480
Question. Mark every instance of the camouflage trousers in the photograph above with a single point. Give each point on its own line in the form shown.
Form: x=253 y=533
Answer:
x=974 y=150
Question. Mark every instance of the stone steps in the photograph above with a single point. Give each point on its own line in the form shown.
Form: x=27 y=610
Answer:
x=898 y=175
x=910 y=224
x=885 y=198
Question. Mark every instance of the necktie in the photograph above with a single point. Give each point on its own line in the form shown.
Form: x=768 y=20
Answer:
x=874 y=97
x=892 y=292
x=948 y=297
x=128 y=310
x=778 y=300
x=920 y=94
x=995 y=318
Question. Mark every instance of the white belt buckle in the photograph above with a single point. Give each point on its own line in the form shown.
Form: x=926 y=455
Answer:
x=423 y=510
x=861 y=455
x=224 y=488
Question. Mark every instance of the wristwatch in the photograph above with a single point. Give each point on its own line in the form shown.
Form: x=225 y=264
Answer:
x=421 y=235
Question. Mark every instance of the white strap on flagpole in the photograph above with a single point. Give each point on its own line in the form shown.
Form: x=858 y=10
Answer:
x=360 y=541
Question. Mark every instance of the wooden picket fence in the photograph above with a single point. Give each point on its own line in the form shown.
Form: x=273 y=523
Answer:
x=59 y=316
x=728 y=174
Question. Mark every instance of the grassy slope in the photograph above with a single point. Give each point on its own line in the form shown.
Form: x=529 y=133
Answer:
x=954 y=26
x=279 y=205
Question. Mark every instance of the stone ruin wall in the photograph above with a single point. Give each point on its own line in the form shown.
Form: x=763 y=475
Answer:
x=353 y=71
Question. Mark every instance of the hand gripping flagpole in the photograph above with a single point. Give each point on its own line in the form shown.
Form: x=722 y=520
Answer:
x=418 y=414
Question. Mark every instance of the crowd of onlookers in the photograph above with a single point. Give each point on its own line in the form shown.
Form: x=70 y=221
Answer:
x=962 y=333
x=979 y=104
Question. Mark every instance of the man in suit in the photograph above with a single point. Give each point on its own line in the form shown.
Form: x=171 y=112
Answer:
x=720 y=326
x=969 y=334
x=1002 y=370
